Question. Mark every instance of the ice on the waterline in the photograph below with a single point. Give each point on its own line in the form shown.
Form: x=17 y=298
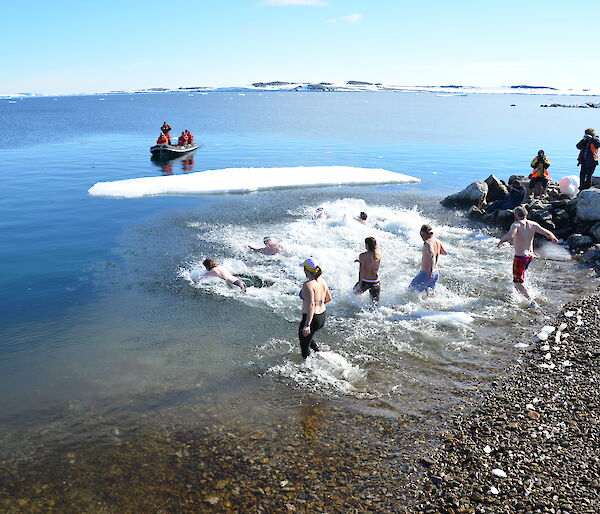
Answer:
x=245 y=180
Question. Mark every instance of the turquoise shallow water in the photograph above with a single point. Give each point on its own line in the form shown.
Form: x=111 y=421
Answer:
x=96 y=312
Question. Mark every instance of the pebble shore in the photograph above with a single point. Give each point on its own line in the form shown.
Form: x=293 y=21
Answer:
x=533 y=443
x=528 y=443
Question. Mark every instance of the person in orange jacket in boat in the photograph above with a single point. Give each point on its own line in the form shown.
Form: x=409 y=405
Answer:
x=162 y=140
x=182 y=140
x=166 y=130
x=190 y=137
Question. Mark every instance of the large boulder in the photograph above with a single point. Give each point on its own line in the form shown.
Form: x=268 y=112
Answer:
x=561 y=218
x=592 y=254
x=578 y=242
x=588 y=205
x=505 y=217
x=496 y=189
x=473 y=194
x=595 y=231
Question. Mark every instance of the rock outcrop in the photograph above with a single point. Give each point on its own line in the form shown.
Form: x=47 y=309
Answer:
x=575 y=220
x=473 y=194
x=588 y=205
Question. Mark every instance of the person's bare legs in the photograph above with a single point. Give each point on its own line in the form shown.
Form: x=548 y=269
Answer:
x=522 y=289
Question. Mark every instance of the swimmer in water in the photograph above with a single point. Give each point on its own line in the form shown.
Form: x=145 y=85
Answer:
x=215 y=270
x=427 y=278
x=368 y=272
x=362 y=218
x=314 y=294
x=321 y=215
x=270 y=248
x=521 y=234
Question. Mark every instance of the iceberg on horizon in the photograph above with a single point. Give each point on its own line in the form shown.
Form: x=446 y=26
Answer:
x=246 y=180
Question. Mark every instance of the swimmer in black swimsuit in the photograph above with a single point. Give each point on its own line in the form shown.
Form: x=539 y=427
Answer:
x=315 y=294
x=368 y=274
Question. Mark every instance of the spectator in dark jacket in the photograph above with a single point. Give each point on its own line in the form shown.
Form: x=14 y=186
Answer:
x=516 y=195
x=588 y=157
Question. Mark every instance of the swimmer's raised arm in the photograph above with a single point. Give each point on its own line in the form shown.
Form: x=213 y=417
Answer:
x=546 y=233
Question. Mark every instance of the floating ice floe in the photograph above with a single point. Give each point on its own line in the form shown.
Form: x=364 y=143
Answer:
x=562 y=327
x=494 y=490
x=521 y=345
x=245 y=180
x=487 y=449
x=499 y=473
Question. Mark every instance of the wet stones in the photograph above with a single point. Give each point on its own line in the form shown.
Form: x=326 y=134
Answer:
x=544 y=456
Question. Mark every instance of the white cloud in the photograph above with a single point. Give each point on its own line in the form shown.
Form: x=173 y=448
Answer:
x=278 y=3
x=350 y=18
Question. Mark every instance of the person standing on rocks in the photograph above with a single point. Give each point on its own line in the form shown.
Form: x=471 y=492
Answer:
x=588 y=158
x=539 y=176
x=427 y=278
x=521 y=234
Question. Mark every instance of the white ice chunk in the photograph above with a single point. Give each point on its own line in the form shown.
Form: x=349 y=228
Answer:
x=499 y=473
x=244 y=180
x=494 y=490
x=521 y=345
x=487 y=449
x=562 y=326
x=548 y=329
x=542 y=336
x=569 y=314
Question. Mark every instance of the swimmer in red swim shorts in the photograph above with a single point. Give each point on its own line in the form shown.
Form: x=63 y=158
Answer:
x=521 y=235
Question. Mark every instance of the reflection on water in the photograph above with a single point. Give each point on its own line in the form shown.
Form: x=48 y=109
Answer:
x=170 y=166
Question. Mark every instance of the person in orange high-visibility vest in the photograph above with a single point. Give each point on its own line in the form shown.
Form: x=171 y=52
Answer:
x=182 y=140
x=166 y=130
x=539 y=177
x=189 y=137
x=162 y=140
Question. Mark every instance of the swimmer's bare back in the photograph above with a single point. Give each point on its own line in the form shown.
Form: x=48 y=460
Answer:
x=316 y=292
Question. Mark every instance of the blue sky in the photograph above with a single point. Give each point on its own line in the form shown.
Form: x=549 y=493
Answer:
x=73 y=46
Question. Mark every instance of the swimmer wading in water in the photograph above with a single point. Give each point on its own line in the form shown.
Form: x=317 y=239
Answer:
x=314 y=294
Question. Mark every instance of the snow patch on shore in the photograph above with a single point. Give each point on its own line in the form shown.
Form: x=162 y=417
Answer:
x=245 y=180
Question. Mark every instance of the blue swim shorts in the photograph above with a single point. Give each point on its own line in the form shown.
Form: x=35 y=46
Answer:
x=422 y=282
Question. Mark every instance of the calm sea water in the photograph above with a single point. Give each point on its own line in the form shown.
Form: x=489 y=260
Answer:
x=98 y=317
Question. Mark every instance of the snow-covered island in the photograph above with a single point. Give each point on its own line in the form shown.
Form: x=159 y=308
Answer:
x=349 y=86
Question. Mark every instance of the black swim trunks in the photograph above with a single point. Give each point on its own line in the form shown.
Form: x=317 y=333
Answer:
x=374 y=288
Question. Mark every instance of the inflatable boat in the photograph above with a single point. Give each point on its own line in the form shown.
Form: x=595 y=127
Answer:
x=166 y=152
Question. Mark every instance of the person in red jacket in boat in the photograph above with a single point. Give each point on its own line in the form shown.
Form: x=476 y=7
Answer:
x=162 y=140
x=182 y=140
x=166 y=130
x=190 y=137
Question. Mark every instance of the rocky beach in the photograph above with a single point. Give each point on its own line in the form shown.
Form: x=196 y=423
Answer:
x=531 y=445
